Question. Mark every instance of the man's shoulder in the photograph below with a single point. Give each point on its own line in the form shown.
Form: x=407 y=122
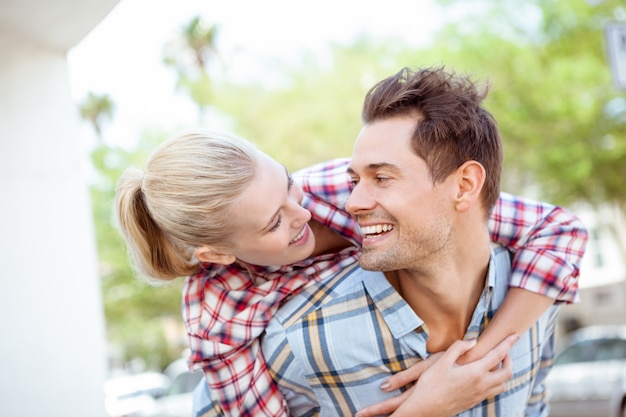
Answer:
x=335 y=289
x=501 y=262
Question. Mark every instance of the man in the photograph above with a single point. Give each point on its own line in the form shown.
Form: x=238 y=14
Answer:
x=426 y=173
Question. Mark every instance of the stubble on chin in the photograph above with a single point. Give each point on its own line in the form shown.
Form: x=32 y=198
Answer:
x=375 y=262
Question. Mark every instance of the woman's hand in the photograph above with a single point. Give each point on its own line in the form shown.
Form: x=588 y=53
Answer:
x=445 y=388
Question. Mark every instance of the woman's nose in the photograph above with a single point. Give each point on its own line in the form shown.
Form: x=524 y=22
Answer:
x=301 y=215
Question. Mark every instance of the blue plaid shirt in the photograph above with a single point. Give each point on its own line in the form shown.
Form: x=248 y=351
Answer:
x=330 y=347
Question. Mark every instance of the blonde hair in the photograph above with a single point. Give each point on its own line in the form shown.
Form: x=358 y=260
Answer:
x=181 y=201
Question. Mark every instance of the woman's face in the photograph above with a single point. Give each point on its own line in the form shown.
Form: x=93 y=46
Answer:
x=269 y=225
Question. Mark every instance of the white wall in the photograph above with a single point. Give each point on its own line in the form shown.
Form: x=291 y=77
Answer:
x=52 y=341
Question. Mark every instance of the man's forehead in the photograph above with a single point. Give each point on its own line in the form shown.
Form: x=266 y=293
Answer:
x=380 y=148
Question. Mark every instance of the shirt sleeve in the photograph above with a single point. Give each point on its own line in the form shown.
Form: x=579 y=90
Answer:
x=242 y=385
x=226 y=311
x=202 y=403
x=224 y=325
x=548 y=242
x=326 y=189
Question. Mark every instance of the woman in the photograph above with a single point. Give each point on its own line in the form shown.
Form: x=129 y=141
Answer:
x=214 y=208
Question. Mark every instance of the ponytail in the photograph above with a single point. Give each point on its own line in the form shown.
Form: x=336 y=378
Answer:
x=181 y=201
x=151 y=253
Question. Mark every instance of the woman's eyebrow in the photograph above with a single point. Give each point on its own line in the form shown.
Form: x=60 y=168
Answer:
x=289 y=180
x=277 y=213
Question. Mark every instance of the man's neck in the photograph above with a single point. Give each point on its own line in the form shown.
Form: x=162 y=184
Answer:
x=445 y=294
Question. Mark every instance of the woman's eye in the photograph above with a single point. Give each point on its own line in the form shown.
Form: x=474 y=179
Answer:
x=277 y=224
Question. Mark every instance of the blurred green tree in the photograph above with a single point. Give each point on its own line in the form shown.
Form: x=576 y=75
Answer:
x=562 y=120
x=191 y=53
x=136 y=313
x=95 y=109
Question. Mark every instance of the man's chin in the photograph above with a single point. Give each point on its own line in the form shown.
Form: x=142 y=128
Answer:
x=373 y=265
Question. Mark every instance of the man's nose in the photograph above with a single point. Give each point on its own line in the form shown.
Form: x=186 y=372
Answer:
x=359 y=200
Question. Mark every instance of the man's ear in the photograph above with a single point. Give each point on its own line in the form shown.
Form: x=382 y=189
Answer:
x=471 y=178
x=208 y=254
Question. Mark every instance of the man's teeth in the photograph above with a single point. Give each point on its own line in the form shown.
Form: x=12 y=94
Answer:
x=299 y=236
x=379 y=228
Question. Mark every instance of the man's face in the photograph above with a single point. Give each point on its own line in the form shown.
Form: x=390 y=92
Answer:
x=405 y=219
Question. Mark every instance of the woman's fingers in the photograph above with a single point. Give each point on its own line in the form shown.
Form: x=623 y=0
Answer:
x=497 y=378
x=409 y=375
x=495 y=356
x=405 y=377
x=456 y=350
x=384 y=407
x=448 y=386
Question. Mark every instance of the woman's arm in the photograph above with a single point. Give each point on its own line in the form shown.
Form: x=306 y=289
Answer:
x=519 y=310
x=548 y=243
x=445 y=388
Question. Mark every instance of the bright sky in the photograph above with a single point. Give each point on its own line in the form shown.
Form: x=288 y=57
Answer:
x=122 y=56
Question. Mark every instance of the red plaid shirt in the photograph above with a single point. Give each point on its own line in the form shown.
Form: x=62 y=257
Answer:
x=226 y=308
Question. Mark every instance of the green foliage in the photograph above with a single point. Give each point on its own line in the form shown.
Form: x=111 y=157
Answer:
x=95 y=109
x=562 y=121
x=190 y=53
x=552 y=95
x=136 y=312
x=314 y=114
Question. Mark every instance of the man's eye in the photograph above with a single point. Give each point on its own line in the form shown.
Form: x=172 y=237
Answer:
x=382 y=179
x=276 y=225
x=354 y=181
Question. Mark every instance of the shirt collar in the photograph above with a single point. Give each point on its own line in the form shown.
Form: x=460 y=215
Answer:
x=400 y=317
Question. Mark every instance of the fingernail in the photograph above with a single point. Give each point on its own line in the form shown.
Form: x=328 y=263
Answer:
x=385 y=386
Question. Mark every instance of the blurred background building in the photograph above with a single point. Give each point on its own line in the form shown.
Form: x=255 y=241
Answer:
x=603 y=272
x=53 y=343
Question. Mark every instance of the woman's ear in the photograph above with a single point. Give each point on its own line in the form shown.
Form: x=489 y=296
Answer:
x=471 y=178
x=208 y=254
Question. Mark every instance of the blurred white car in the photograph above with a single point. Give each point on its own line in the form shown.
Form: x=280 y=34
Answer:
x=127 y=394
x=589 y=375
x=177 y=401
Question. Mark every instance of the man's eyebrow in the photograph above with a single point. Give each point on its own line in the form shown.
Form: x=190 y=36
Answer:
x=375 y=166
